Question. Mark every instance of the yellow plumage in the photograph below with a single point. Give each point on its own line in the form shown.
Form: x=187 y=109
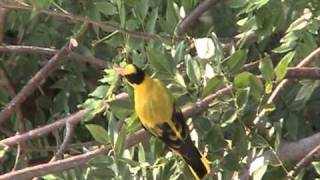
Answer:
x=155 y=108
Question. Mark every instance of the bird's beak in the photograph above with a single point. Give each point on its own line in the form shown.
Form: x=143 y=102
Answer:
x=120 y=71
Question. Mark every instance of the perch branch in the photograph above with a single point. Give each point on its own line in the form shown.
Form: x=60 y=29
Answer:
x=75 y=118
x=83 y=158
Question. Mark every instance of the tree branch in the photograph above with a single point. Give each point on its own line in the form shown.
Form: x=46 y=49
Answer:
x=34 y=49
x=35 y=82
x=303 y=73
x=38 y=132
x=194 y=15
x=39 y=170
x=188 y=111
x=304 y=161
x=69 y=147
x=83 y=158
x=104 y=25
x=66 y=141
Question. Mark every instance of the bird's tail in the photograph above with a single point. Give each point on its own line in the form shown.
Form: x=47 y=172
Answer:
x=198 y=164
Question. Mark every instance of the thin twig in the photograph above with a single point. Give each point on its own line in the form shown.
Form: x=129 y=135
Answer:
x=35 y=82
x=16 y=162
x=194 y=15
x=103 y=25
x=66 y=141
x=34 y=49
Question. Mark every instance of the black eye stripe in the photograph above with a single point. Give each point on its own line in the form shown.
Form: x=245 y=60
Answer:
x=135 y=78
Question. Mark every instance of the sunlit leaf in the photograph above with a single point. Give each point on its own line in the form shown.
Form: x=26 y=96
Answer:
x=266 y=68
x=281 y=68
x=205 y=47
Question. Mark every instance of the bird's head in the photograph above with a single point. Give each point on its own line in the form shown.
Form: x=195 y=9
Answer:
x=132 y=73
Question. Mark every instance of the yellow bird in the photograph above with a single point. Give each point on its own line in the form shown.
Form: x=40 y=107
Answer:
x=158 y=114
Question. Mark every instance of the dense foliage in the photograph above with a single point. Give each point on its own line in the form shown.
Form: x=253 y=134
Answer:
x=213 y=53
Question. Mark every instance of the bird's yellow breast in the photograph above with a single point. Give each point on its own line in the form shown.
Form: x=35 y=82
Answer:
x=153 y=103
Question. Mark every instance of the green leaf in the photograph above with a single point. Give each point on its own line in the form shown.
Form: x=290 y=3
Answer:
x=120 y=142
x=161 y=62
x=205 y=47
x=237 y=3
x=245 y=80
x=142 y=9
x=93 y=14
x=288 y=42
x=152 y=20
x=3 y=150
x=258 y=167
x=316 y=166
x=258 y=141
x=122 y=12
x=100 y=91
x=292 y=125
x=242 y=97
x=100 y=173
x=306 y=91
x=180 y=51
x=266 y=68
x=212 y=85
x=98 y=133
x=218 y=54
x=231 y=162
x=193 y=70
x=94 y=106
x=121 y=108
x=133 y=124
x=171 y=17
x=106 y=8
x=282 y=66
x=236 y=61
x=42 y=4
x=268 y=87
x=142 y=158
